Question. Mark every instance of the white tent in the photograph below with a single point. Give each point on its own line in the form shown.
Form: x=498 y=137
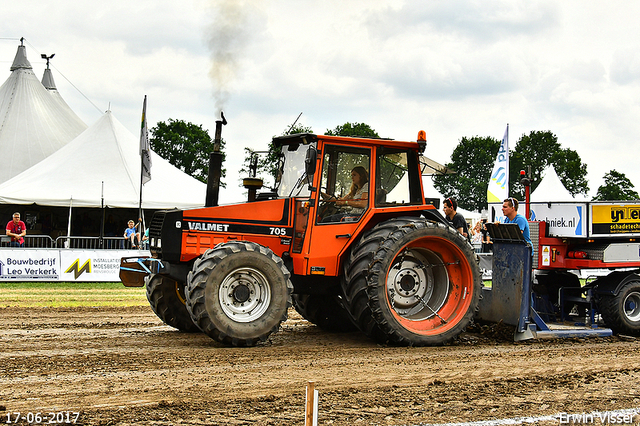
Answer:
x=34 y=122
x=550 y=188
x=105 y=152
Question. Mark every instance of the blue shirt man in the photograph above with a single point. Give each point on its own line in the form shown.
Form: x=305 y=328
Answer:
x=510 y=211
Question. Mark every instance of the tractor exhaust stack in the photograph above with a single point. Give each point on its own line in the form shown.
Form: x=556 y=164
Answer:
x=215 y=165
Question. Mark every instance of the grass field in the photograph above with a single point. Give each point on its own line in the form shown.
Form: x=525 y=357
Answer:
x=64 y=295
x=60 y=294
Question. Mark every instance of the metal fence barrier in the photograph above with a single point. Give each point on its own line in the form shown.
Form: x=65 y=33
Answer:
x=30 y=241
x=92 y=243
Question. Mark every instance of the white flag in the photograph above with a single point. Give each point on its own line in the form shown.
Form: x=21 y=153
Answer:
x=145 y=148
x=498 y=189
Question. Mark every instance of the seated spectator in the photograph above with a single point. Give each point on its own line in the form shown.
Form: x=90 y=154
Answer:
x=131 y=234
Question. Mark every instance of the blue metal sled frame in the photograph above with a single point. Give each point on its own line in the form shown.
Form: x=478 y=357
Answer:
x=510 y=299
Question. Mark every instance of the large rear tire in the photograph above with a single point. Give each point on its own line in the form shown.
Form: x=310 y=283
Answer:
x=621 y=313
x=167 y=299
x=325 y=311
x=413 y=282
x=238 y=293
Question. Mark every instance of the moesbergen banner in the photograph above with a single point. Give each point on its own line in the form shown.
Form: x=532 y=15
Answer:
x=62 y=264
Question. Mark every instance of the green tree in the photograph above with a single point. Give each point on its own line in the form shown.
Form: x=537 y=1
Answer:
x=297 y=128
x=571 y=171
x=186 y=146
x=617 y=187
x=472 y=159
x=354 y=130
x=539 y=149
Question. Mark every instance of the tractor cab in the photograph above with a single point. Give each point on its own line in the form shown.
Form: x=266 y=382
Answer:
x=341 y=187
x=396 y=165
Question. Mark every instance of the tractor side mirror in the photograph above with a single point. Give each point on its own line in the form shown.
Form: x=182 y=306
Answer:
x=310 y=161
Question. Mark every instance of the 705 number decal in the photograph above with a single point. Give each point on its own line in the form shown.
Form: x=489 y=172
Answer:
x=277 y=231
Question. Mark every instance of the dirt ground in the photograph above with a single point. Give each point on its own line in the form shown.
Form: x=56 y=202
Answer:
x=122 y=366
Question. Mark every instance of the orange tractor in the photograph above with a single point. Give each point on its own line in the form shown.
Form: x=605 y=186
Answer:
x=349 y=249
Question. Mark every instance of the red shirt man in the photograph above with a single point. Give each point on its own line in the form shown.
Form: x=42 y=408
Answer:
x=16 y=229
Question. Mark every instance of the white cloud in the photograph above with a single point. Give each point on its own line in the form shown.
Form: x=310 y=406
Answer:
x=625 y=67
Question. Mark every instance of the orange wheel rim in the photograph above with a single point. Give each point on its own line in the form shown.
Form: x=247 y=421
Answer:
x=429 y=285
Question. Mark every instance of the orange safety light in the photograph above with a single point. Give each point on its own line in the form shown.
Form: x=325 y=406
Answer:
x=422 y=141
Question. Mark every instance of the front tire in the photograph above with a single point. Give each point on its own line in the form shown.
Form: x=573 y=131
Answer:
x=167 y=300
x=238 y=293
x=413 y=282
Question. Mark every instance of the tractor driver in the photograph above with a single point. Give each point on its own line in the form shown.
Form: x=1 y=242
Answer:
x=356 y=199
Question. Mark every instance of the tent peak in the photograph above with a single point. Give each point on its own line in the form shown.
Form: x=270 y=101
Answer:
x=34 y=119
x=47 y=77
x=21 y=61
x=47 y=80
x=551 y=188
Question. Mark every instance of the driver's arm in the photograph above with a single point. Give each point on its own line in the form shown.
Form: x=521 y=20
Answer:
x=359 y=203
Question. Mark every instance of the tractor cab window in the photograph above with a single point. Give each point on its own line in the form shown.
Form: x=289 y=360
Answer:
x=397 y=181
x=293 y=179
x=344 y=187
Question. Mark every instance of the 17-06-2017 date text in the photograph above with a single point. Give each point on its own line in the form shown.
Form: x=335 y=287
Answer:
x=50 y=418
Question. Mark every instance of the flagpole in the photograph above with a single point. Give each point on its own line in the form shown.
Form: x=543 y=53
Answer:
x=144 y=107
x=145 y=157
x=141 y=184
x=68 y=242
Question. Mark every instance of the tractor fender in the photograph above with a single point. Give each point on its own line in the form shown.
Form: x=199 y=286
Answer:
x=435 y=216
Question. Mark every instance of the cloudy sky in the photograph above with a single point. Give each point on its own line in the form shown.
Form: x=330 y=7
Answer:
x=452 y=68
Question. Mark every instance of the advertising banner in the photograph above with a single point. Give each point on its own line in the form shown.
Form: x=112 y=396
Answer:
x=29 y=265
x=91 y=265
x=498 y=187
x=69 y=265
x=615 y=220
x=564 y=219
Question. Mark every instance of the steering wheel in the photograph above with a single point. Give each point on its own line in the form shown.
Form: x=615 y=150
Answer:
x=328 y=207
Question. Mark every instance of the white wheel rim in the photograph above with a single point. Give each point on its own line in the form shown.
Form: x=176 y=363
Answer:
x=245 y=295
x=632 y=306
